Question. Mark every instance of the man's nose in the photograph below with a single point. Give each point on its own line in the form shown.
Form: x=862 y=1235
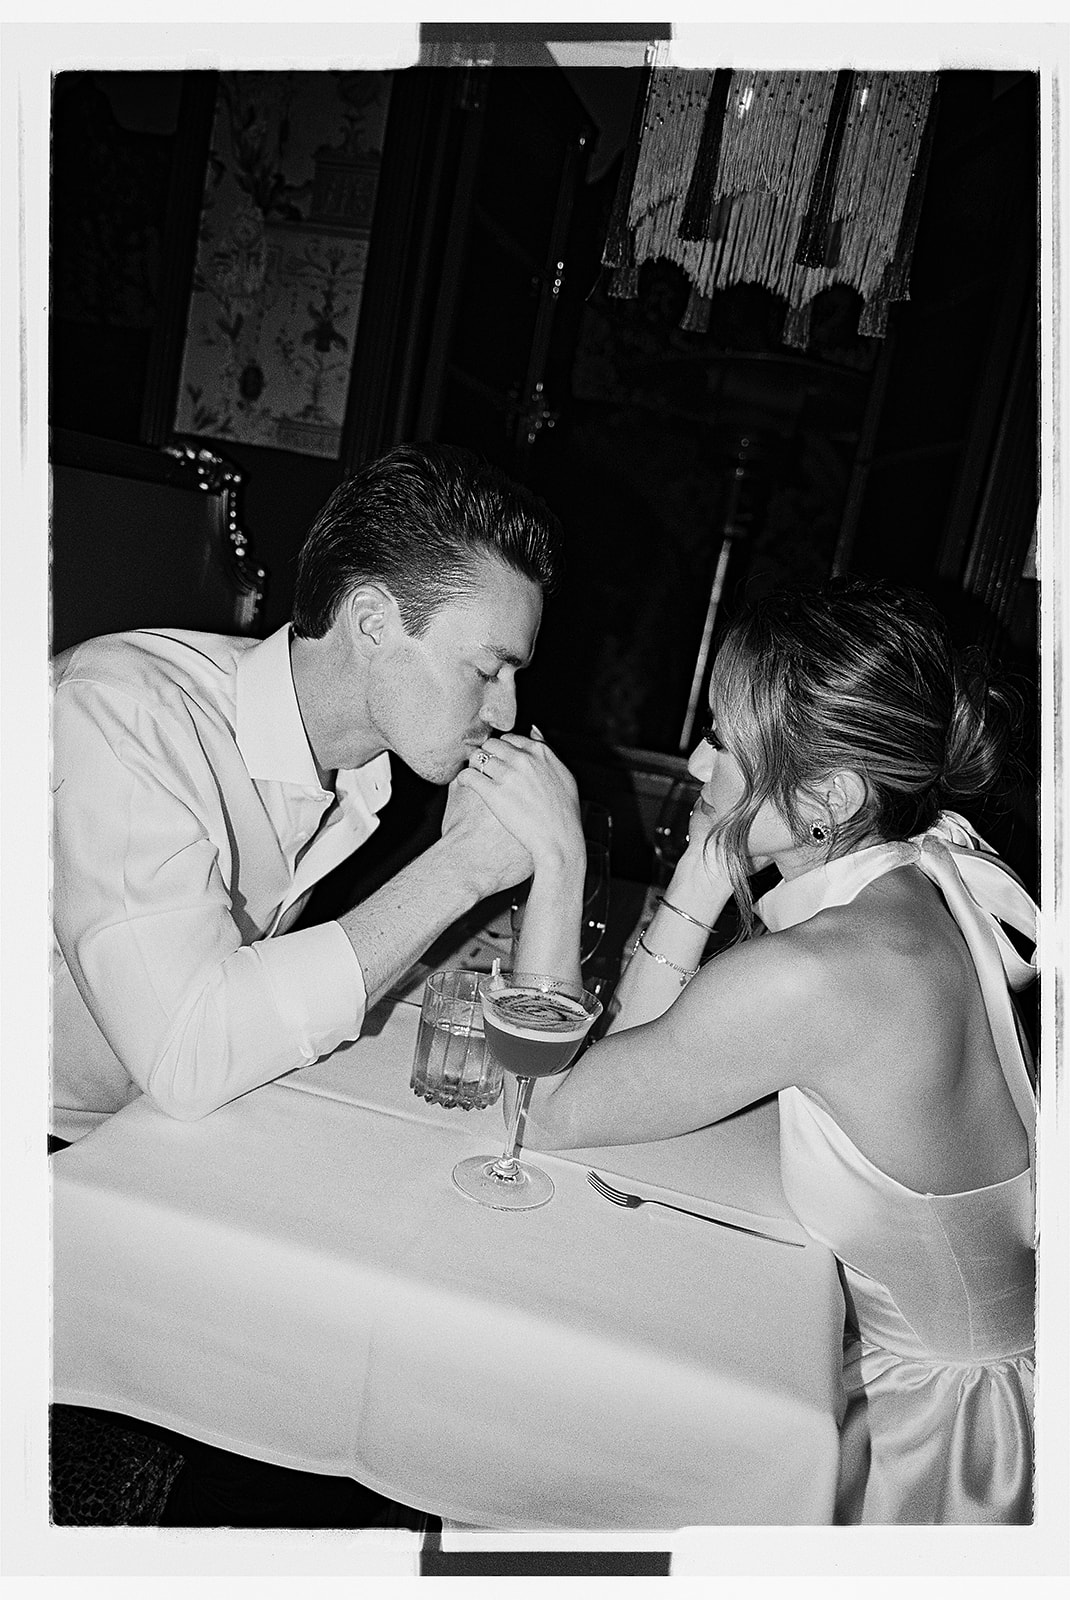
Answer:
x=499 y=705
x=700 y=762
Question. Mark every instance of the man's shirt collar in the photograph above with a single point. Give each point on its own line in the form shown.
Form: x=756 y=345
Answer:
x=268 y=727
x=271 y=735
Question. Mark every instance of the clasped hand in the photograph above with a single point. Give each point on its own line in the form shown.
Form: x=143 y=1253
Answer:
x=532 y=796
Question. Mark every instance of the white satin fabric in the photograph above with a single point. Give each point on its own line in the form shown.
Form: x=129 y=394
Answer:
x=938 y=1358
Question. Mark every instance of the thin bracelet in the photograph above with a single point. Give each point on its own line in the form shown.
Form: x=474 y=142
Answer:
x=685 y=914
x=686 y=973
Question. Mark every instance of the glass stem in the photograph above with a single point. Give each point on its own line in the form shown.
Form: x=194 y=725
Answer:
x=508 y=1163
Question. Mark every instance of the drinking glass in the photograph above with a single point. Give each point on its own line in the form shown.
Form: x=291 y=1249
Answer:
x=452 y=1065
x=595 y=901
x=672 y=825
x=534 y=1025
x=597 y=823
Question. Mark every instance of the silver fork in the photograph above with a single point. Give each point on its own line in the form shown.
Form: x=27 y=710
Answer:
x=631 y=1202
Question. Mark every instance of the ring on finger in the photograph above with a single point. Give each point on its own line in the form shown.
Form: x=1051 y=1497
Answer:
x=483 y=761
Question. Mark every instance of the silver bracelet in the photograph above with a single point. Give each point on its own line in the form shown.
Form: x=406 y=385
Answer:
x=685 y=914
x=686 y=973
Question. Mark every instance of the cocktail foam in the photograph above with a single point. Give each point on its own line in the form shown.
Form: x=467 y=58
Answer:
x=536 y=1014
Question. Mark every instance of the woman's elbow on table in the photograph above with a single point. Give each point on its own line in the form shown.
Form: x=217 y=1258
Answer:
x=549 y=1125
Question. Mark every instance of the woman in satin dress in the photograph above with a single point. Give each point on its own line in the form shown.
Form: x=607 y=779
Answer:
x=871 y=992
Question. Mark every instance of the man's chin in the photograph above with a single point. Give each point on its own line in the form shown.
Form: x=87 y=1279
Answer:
x=442 y=770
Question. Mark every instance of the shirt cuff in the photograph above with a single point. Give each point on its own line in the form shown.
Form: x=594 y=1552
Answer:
x=318 y=985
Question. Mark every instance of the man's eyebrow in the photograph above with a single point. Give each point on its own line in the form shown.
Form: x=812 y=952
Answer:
x=508 y=658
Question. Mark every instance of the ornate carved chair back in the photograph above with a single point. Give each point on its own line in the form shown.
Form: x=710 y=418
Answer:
x=145 y=538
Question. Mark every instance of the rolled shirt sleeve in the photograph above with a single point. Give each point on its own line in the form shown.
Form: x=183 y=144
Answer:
x=153 y=918
x=318 y=984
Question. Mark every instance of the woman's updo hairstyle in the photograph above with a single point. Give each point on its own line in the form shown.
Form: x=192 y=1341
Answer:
x=860 y=676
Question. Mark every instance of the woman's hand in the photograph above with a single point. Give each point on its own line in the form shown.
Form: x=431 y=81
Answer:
x=701 y=866
x=533 y=795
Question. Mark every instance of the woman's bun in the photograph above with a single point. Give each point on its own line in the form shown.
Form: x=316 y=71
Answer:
x=984 y=719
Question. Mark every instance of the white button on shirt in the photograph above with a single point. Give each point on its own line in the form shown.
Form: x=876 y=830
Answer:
x=190 y=826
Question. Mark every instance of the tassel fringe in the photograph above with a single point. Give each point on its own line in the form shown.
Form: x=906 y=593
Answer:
x=794 y=181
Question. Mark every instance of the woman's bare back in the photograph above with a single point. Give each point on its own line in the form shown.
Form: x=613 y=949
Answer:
x=912 y=1074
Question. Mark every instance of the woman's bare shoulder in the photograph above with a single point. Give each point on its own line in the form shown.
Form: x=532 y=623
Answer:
x=852 y=988
x=891 y=970
x=784 y=991
x=788 y=964
x=898 y=925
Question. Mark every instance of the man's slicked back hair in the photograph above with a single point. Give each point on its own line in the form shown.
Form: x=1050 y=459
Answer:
x=419 y=521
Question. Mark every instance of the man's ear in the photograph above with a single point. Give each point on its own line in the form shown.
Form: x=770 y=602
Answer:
x=371 y=609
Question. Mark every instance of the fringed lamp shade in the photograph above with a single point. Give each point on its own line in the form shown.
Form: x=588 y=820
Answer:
x=791 y=180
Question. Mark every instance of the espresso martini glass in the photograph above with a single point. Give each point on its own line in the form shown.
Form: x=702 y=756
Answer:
x=534 y=1026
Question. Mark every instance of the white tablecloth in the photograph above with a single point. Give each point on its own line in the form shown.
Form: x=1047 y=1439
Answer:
x=296 y=1278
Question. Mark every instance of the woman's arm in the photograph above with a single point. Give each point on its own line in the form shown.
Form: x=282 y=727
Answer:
x=533 y=795
x=550 y=933
x=677 y=933
x=753 y=1021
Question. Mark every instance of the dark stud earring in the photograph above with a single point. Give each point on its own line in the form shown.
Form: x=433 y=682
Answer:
x=818 y=833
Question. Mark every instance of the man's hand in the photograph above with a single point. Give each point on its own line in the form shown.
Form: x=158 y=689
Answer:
x=533 y=795
x=496 y=854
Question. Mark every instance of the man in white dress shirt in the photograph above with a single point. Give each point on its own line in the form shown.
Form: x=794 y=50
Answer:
x=203 y=784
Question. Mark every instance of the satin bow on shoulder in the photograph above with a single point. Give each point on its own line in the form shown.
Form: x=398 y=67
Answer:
x=981 y=893
x=978 y=884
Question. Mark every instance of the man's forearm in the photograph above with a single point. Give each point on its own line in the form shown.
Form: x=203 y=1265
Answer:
x=392 y=928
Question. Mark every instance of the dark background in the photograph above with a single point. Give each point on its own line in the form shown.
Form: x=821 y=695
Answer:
x=912 y=456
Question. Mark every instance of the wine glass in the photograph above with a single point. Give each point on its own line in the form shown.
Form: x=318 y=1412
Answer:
x=597 y=823
x=672 y=825
x=595 y=901
x=534 y=1025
